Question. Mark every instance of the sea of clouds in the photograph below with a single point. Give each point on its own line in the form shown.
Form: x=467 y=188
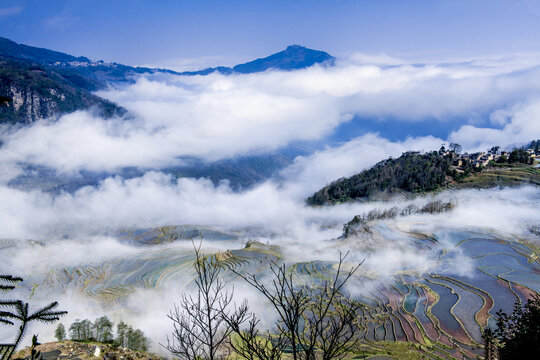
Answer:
x=492 y=101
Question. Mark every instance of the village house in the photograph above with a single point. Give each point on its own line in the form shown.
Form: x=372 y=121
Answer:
x=533 y=154
x=482 y=159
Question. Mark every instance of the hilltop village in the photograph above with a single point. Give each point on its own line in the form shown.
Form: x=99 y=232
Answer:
x=492 y=156
x=417 y=173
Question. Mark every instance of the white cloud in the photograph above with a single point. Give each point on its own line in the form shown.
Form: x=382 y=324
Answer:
x=309 y=173
x=82 y=140
x=519 y=125
x=215 y=117
x=276 y=213
x=156 y=198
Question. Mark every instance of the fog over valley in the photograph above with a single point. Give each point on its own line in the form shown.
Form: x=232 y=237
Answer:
x=101 y=210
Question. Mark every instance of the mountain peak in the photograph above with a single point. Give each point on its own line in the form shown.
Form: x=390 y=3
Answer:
x=294 y=57
x=295 y=47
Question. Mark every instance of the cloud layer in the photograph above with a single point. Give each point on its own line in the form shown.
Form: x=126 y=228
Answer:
x=493 y=101
x=301 y=232
x=489 y=101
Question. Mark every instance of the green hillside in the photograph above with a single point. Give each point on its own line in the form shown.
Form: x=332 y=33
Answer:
x=411 y=172
x=30 y=92
x=416 y=173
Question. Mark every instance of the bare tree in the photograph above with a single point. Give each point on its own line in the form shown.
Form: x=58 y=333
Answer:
x=331 y=319
x=200 y=329
x=289 y=302
x=314 y=321
x=251 y=343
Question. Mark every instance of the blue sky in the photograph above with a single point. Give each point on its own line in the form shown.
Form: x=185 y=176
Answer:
x=146 y=32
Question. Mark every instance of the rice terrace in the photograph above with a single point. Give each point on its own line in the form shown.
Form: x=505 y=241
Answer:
x=302 y=180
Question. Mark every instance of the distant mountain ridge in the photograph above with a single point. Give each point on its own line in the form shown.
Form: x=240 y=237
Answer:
x=294 y=57
x=83 y=72
x=13 y=50
x=38 y=83
x=30 y=92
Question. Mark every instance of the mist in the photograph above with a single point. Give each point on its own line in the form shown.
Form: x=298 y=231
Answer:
x=488 y=100
x=493 y=101
x=265 y=214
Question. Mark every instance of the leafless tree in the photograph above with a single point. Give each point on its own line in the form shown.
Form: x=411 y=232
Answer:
x=289 y=302
x=199 y=326
x=332 y=319
x=314 y=321
x=249 y=342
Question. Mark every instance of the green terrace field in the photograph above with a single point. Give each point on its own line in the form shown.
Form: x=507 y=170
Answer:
x=501 y=175
x=409 y=314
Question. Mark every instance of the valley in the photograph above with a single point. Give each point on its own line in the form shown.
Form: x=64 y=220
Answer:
x=440 y=303
x=124 y=188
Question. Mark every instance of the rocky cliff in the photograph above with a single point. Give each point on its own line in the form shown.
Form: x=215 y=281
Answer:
x=30 y=92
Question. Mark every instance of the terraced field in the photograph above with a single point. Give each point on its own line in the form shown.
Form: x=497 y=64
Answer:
x=442 y=310
x=501 y=175
x=447 y=308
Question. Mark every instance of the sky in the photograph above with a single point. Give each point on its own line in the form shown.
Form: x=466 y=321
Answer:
x=227 y=32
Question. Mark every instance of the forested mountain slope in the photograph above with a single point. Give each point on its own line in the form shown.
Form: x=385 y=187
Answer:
x=411 y=172
x=38 y=83
x=30 y=92
x=414 y=172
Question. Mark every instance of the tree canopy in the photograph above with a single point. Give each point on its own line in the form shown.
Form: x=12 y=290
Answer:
x=517 y=335
x=411 y=172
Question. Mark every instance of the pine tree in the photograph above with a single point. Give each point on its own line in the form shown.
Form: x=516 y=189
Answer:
x=518 y=333
x=17 y=311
